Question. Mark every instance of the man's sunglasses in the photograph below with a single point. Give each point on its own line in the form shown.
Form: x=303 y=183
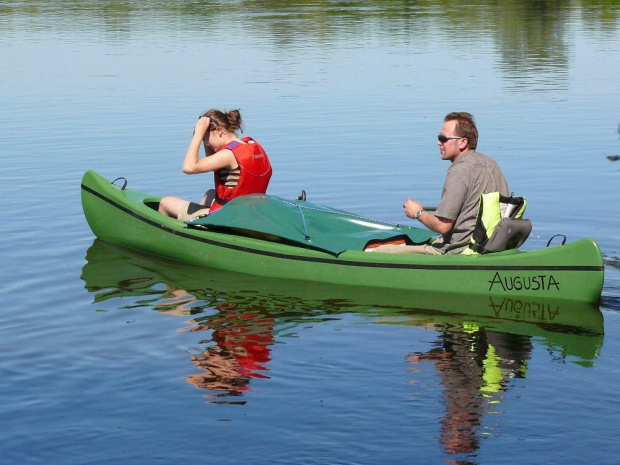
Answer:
x=443 y=139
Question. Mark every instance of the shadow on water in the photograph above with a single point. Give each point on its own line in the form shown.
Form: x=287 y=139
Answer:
x=610 y=299
x=482 y=344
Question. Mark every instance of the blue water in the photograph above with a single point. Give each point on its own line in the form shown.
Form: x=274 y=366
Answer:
x=107 y=355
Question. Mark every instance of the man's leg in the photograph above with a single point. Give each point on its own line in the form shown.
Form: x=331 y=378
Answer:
x=423 y=249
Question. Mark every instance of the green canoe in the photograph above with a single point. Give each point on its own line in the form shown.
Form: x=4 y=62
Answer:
x=272 y=237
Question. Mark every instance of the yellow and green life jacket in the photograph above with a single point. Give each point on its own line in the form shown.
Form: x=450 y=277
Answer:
x=499 y=224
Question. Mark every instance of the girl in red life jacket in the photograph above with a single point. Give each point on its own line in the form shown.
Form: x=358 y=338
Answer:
x=240 y=166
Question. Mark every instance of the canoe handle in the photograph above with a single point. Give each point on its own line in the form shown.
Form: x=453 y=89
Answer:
x=557 y=235
x=124 y=184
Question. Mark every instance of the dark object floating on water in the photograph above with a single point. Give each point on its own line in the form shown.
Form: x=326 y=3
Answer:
x=613 y=157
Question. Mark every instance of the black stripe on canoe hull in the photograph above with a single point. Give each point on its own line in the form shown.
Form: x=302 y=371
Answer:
x=336 y=261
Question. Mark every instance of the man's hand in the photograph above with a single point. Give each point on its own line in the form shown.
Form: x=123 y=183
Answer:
x=411 y=207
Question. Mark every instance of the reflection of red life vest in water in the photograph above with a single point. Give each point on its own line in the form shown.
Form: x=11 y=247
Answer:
x=247 y=337
x=255 y=173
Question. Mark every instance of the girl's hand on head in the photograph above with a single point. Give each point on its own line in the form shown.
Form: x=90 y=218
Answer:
x=202 y=126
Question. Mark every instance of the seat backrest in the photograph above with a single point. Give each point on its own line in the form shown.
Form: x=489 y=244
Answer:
x=510 y=233
x=499 y=225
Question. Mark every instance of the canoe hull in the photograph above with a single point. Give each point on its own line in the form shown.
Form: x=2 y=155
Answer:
x=573 y=271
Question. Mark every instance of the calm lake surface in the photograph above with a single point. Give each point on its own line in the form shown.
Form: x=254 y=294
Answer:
x=110 y=356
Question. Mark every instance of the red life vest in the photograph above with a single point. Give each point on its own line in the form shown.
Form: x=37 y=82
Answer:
x=255 y=173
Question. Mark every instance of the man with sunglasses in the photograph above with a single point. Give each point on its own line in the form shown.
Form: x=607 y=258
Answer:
x=470 y=175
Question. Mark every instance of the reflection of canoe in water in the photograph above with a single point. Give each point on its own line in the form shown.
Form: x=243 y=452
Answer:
x=574 y=328
x=572 y=272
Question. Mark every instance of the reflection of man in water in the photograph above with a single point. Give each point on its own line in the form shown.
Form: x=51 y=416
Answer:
x=239 y=349
x=475 y=367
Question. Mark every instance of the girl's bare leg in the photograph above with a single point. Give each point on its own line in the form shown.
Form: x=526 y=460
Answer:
x=171 y=206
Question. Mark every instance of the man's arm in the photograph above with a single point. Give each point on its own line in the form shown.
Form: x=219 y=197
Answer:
x=435 y=223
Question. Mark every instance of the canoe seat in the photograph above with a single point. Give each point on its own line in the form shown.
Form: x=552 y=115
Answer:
x=499 y=224
x=511 y=233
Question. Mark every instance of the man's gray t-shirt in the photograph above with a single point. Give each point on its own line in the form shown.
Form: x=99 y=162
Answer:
x=469 y=176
